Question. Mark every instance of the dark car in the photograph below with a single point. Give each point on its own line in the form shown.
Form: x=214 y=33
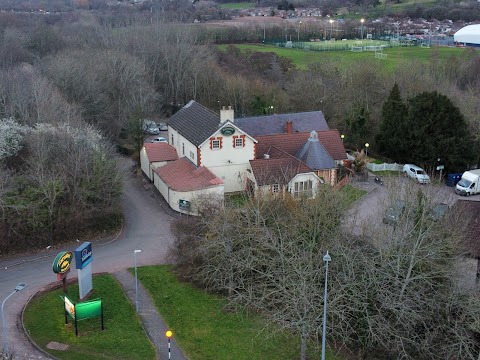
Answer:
x=394 y=212
x=438 y=211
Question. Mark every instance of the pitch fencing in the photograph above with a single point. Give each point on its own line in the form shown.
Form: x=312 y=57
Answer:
x=384 y=167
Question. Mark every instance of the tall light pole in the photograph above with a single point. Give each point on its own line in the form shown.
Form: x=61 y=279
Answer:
x=331 y=28
x=136 y=277
x=361 y=27
x=327 y=259
x=298 y=31
x=366 y=148
x=19 y=287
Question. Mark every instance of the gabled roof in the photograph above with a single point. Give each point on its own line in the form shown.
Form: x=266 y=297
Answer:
x=228 y=123
x=182 y=175
x=195 y=122
x=275 y=124
x=157 y=152
x=279 y=169
x=314 y=154
x=292 y=143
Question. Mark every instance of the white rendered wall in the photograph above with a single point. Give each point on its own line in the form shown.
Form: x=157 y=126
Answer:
x=177 y=144
x=229 y=163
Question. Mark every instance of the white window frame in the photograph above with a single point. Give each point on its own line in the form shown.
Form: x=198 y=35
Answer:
x=192 y=155
x=303 y=188
x=275 y=188
x=240 y=144
x=213 y=144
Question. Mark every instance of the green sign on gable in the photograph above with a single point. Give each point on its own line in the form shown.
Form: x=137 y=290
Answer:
x=228 y=130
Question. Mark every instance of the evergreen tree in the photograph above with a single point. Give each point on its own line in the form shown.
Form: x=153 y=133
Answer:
x=390 y=141
x=357 y=122
x=435 y=128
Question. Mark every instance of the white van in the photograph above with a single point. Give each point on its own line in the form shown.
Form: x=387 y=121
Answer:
x=416 y=173
x=469 y=184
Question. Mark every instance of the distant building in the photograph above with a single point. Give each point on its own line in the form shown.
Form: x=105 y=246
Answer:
x=468 y=36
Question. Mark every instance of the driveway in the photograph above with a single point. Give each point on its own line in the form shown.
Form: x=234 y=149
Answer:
x=147 y=227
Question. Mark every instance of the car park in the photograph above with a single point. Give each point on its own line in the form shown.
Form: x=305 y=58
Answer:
x=417 y=173
x=394 y=212
x=159 y=139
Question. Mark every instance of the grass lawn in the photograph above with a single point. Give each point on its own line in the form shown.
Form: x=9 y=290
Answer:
x=206 y=332
x=352 y=193
x=123 y=337
x=302 y=58
x=241 y=5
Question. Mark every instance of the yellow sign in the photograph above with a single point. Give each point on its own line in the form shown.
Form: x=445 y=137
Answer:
x=169 y=334
x=62 y=262
x=69 y=306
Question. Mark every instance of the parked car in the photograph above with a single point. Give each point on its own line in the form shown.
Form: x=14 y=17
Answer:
x=159 y=139
x=393 y=213
x=150 y=127
x=162 y=126
x=469 y=184
x=416 y=173
x=438 y=211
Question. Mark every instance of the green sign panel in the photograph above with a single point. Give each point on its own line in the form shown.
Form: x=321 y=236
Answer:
x=184 y=204
x=62 y=262
x=88 y=309
x=82 y=311
x=228 y=130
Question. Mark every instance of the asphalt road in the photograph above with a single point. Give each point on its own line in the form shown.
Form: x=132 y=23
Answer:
x=147 y=227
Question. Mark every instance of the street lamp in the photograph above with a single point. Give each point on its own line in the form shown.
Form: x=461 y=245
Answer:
x=19 y=287
x=331 y=28
x=366 y=148
x=136 y=277
x=342 y=137
x=298 y=31
x=326 y=258
x=361 y=27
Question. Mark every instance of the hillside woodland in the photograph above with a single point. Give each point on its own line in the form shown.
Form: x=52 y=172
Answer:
x=75 y=70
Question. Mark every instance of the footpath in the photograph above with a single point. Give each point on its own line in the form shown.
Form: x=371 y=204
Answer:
x=153 y=324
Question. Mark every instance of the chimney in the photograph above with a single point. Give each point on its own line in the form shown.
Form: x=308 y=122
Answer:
x=226 y=114
x=289 y=127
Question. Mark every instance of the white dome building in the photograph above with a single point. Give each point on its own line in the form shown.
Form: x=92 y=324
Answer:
x=469 y=35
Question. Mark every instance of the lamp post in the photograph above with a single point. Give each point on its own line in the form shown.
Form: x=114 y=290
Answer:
x=342 y=137
x=298 y=31
x=361 y=27
x=19 y=287
x=366 y=148
x=326 y=258
x=331 y=28
x=136 y=277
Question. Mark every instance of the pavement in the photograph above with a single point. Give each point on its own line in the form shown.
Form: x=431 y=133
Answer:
x=153 y=323
x=146 y=227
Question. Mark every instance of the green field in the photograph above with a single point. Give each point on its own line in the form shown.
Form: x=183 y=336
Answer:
x=302 y=58
x=242 y=5
x=206 y=330
x=123 y=337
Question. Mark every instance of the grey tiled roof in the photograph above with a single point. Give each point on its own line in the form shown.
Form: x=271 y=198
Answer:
x=275 y=124
x=195 y=122
x=315 y=155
